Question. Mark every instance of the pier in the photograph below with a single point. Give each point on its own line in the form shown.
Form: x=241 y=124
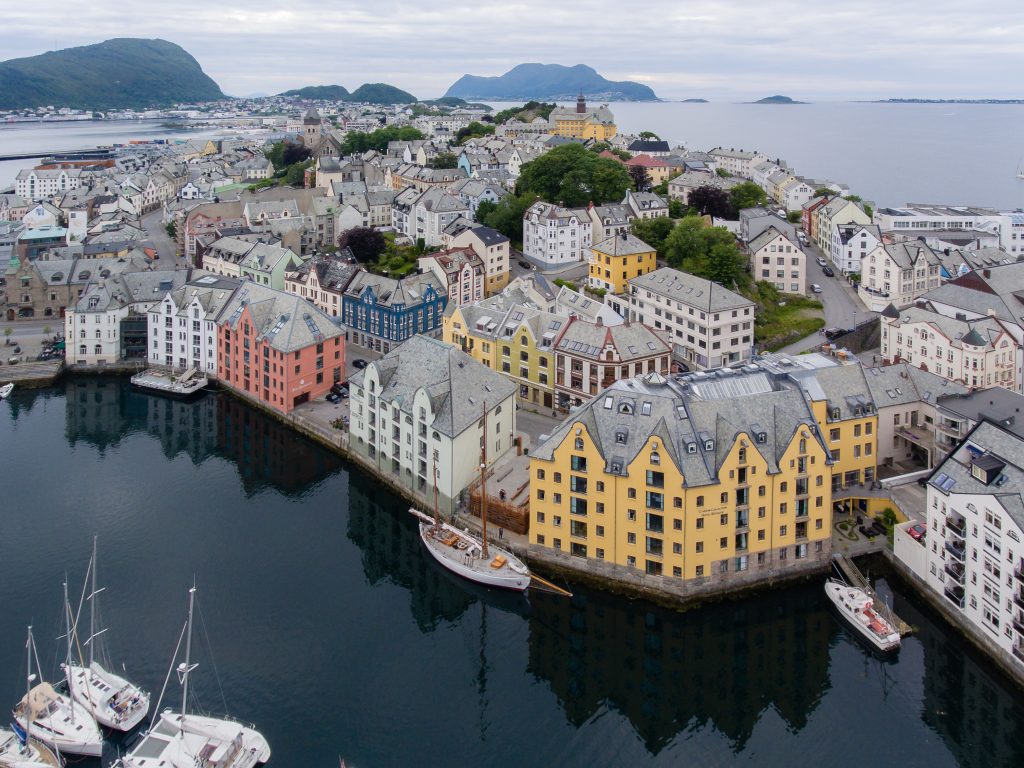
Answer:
x=68 y=155
x=857 y=579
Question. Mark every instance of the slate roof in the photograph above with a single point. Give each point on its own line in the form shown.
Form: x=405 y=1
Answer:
x=288 y=322
x=458 y=386
x=995 y=404
x=622 y=244
x=690 y=290
x=634 y=341
x=388 y=291
x=903 y=383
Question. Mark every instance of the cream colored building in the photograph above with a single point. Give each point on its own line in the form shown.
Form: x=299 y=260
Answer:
x=776 y=259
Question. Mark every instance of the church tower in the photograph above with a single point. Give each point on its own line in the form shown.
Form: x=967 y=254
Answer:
x=581 y=104
x=312 y=128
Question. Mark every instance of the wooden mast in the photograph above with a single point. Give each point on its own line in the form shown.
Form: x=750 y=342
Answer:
x=483 y=485
x=437 y=517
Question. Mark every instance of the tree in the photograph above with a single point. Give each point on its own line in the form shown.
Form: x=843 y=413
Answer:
x=275 y=154
x=708 y=252
x=723 y=173
x=600 y=146
x=711 y=201
x=794 y=217
x=365 y=243
x=653 y=232
x=444 y=160
x=676 y=209
x=746 y=195
x=648 y=136
x=572 y=176
x=484 y=209
x=823 y=192
x=295 y=153
x=473 y=131
x=507 y=215
x=172 y=229
x=357 y=142
x=296 y=174
x=621 y=154
x=640 y=178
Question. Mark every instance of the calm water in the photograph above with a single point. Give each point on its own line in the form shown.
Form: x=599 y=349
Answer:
x=334 y=633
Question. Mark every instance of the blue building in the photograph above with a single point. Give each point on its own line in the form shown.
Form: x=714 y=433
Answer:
x=382 y=312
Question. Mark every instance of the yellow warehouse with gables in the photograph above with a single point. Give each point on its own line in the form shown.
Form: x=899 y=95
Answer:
x=686 y=483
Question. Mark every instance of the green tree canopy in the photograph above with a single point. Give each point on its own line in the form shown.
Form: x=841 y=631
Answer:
x=746 y=195
x=653 y=232
x=506 y=216
x=473 y=131
x=708 y=252
x=444 y=160
x=357 y=142
x=649 y=136
x=571 y=175
x=823 y=192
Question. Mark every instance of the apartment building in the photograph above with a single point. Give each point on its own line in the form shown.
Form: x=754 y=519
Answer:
x=460 y=271
x=709 y=326
x=915 y=220
x=556 y=236
x=617 y=259
x=779 y=260
x=851 y=243
x=183 y=326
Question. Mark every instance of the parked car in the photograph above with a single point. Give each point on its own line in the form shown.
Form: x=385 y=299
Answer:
x=525 y=264
x=834 y=333
x=815 y=288
x=340 y=388
x=917 y=532
x=332 y=398
x=829 y=272
x=14 y=359
x=359 y=363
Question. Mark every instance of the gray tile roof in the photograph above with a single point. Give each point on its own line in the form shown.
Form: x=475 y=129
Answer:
x=287 y=321
x=622 y=244
x=634 y=341
x=903 y=383
x=458 y=386
x=690 y=290
x=996 y=404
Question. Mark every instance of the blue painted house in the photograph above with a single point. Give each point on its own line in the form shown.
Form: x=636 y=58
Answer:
x=382 y=312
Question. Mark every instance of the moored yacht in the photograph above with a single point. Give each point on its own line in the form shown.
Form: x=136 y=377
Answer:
x=19 y=751
x=858 y=608
x=112 y=700
x=184 y=740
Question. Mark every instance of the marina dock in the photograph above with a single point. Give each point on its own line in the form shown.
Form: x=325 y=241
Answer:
x=168 y=383
x=857 y=579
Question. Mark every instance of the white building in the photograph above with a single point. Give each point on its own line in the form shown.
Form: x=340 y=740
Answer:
x=738 y=162
x=851 y=243
x=898 y=273
x=554 y=236
x=709 y=326
x=424 y=215
x=34 y=184
x=975 y=554
x=183 y=326
x=924 y=220
x=419 y=413
x=778 y=260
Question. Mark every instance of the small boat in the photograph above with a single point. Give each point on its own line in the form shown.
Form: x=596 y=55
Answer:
x=112 y=700
x=472 y=557
x=858 y=608
x=5 y=390
x=17 y=750
x=183 y=740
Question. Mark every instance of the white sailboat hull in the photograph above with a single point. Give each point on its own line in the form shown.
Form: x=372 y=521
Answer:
x=112 y=700
x=195 y=740
x=467 y=561
x=857 y=609
x=5 y=391
x=34 y=755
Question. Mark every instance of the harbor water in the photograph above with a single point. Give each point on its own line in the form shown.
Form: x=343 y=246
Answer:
x=336 y=634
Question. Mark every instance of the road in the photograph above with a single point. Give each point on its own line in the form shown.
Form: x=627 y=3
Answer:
x=30 y=334
x=843 y=308
x=166 y=248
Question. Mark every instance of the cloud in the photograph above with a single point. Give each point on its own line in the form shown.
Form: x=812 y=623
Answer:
x=721 y=48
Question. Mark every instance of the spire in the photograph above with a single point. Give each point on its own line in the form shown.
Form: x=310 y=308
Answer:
x=581 y=103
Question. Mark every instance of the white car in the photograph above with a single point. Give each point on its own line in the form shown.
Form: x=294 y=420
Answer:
x=815 y=288
x=821 y=261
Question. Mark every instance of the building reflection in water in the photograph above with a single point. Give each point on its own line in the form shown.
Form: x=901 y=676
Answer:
x=103 y=411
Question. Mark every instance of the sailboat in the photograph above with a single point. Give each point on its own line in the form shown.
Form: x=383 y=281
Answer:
x=469 y=556
x=5 y=390
x=112 y=700
x=17 y=750
x=184 y=740
x=54 y=719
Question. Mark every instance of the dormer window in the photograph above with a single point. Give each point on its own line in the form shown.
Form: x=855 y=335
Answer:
x=709 y=445
x=835 y=413
x=620 y=436
x=762 y=438
x=691 y=447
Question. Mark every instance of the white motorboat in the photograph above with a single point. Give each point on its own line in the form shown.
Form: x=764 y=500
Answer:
x=112 y=700
x=5 y=390
x=183 y=740
x=19 y=751
x=858 y=608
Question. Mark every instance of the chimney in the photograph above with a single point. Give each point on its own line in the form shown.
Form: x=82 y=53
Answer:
x=623 y=235
x=987 y=272
x=599 y=322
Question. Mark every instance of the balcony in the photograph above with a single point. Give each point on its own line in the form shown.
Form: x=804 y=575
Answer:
x=1018 y=650
x=1018 y=598
x=956 y=525
x=957 y=572
x=959 y=553
x=1018 y=622
x=955 y=595
x=1018 y=572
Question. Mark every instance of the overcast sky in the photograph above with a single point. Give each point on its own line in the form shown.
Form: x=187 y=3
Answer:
x=726 y=49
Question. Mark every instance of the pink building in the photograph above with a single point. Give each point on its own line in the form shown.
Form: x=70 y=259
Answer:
x=460 y=270
x=278 y=348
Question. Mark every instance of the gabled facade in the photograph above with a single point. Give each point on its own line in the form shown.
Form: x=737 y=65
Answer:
x=183 y=325
x=460 y=271
x=494 y=250
x=381 y=313
x=851 y=243
x=554 y=236
x=617 y=259
x=776 y=259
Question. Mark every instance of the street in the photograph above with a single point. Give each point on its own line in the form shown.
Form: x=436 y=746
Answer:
x=166 y=248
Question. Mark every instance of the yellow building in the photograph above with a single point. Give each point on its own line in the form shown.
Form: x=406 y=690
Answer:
x=512 y=336
x=686 y=485
x=582 y=123
x=615 y=260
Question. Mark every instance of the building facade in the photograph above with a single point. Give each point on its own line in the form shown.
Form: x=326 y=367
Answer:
x=776 y=259
x=617 y=259
x=554 y=236
x=380 y=312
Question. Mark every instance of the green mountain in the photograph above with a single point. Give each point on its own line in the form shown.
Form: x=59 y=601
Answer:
x=125 y=72
x=381 y=93
x=324 y=92
x=548 y=81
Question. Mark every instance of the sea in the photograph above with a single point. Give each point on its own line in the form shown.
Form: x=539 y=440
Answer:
x=889 y=154
x=321 y=619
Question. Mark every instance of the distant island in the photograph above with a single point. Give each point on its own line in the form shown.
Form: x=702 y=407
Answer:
x=122 y=73
x=552 y=82
x=695 y=101
x=324 y=92
x=368 y=93
x=947 y=101
x=776 y=100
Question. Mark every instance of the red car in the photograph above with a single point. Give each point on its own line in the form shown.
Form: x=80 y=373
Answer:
x=917 y=532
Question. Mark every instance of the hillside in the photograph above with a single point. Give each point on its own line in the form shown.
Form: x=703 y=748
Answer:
x=381 y=93
x=777 y=100
x=548 y=81
x=322 y=92
x=127 y=72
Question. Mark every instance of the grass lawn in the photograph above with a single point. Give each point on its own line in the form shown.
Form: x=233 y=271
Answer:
x=785 y=318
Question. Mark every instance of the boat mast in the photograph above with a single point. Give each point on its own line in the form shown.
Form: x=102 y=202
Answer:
x=92 y=607
x=483 y=485
x=437 y=516
x=67 y=614
x=188 y=653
